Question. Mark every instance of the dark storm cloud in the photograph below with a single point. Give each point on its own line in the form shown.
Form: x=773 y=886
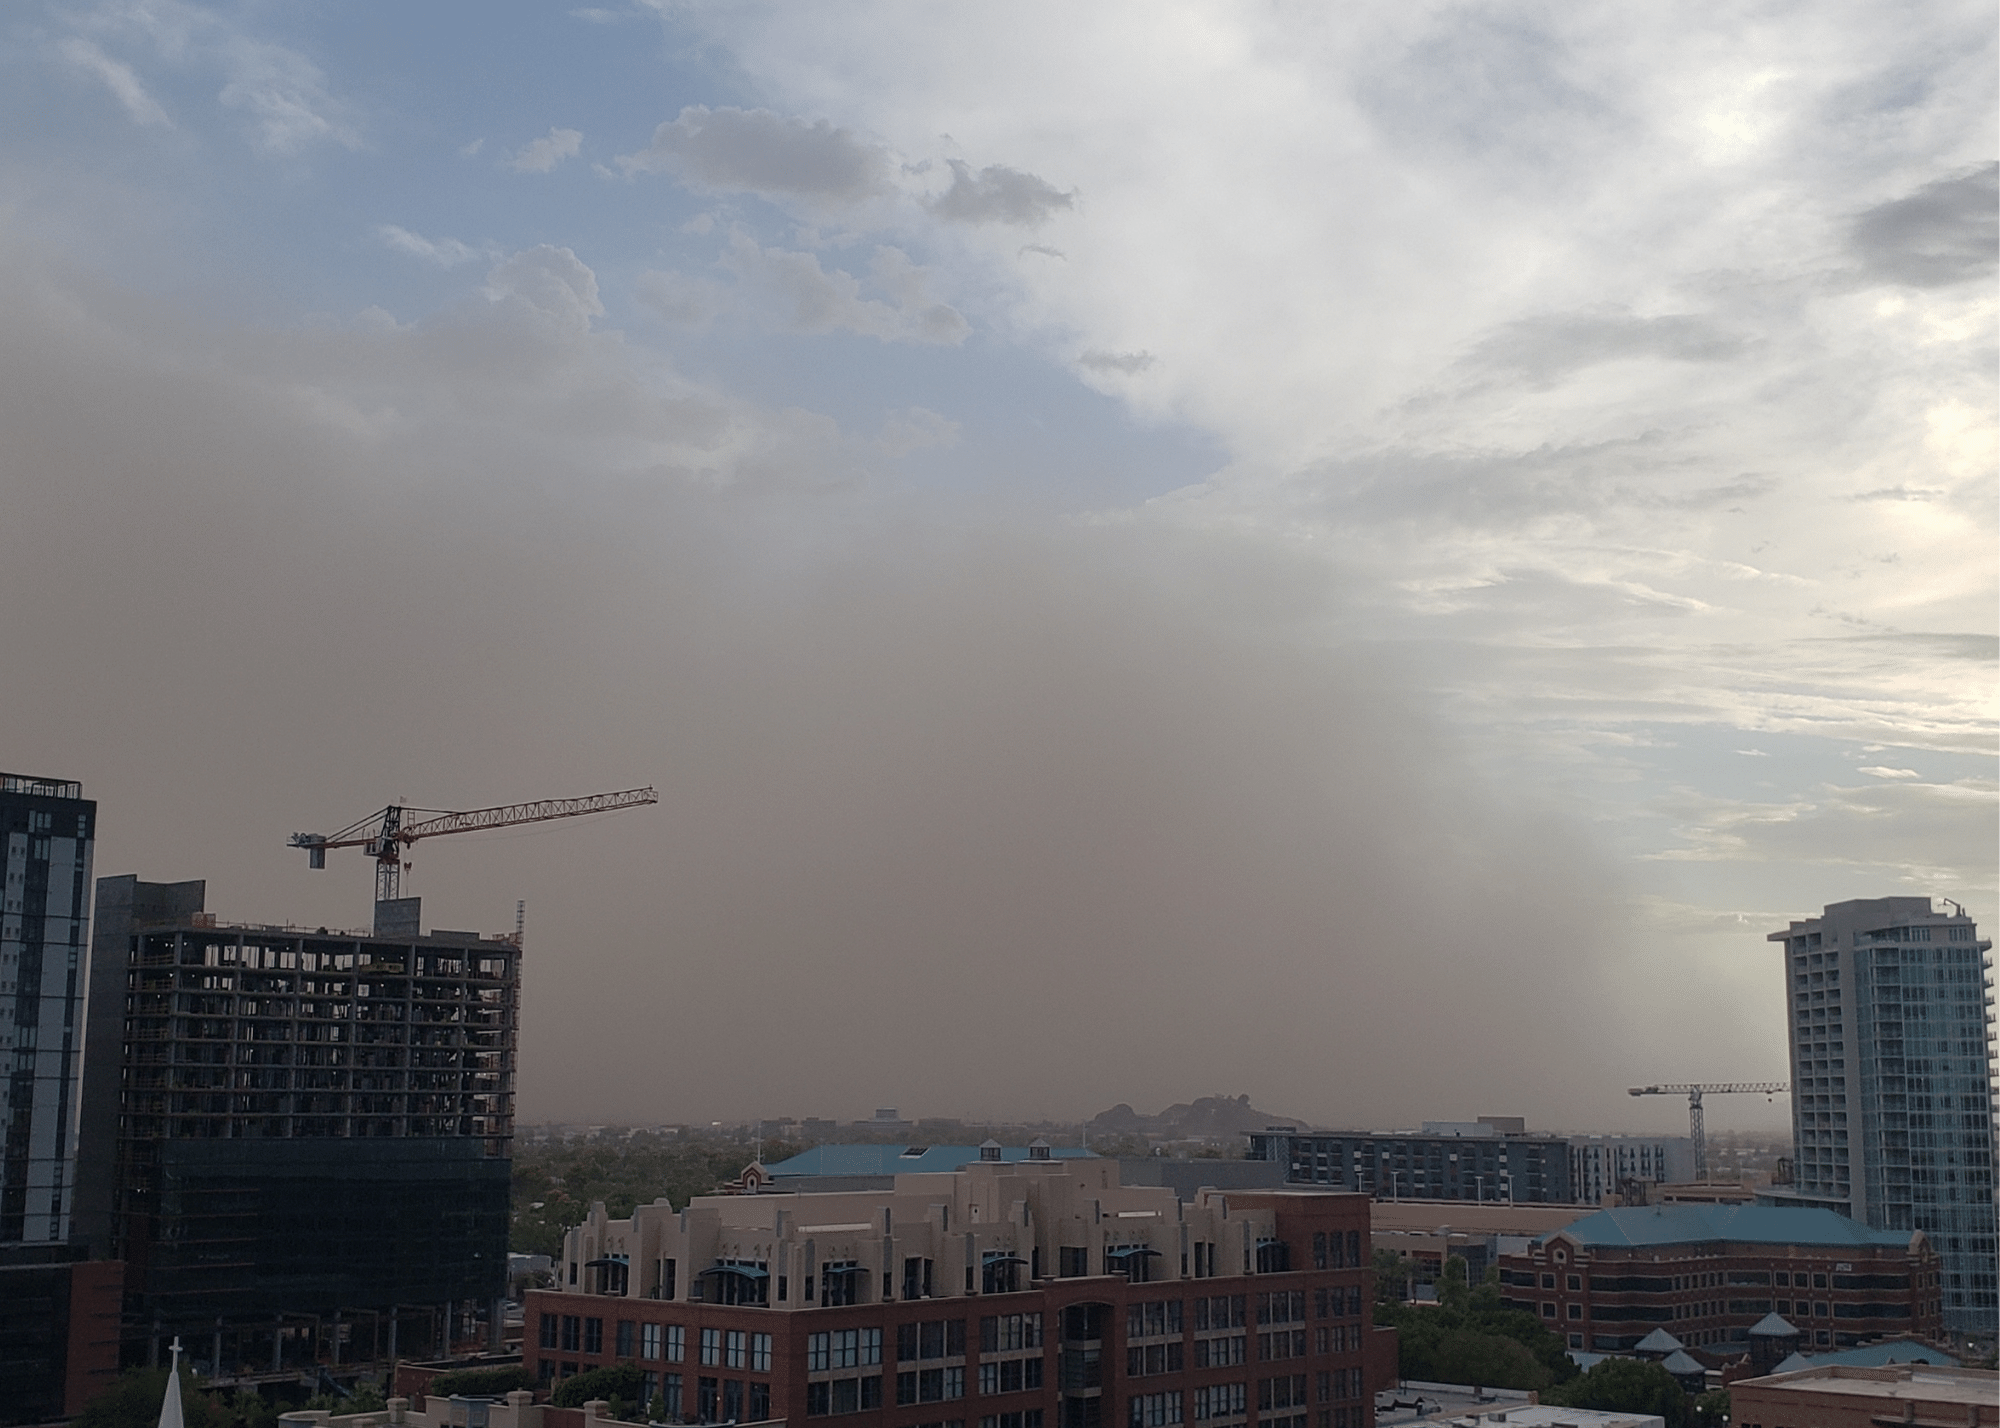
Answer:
x=1946 y=232
x=756 y=150
x=998 y=194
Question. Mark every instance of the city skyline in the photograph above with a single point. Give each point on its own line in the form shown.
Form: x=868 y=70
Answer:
x=1214 y=550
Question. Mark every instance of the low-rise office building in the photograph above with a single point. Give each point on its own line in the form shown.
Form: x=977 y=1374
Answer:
x=1032 y=1294
x=1493 y=1158
x=1710 y=1273
x=1839 y=1396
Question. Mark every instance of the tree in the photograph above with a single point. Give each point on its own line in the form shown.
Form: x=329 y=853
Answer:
x=488 y=1382
x=1470 y=1336
x=1628 y=1386
x=1711 y=1410
x=132 y=1400
x=617 y=1381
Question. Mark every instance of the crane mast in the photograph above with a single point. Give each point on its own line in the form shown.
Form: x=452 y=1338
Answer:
x=385 y=836
x=1694 y=1091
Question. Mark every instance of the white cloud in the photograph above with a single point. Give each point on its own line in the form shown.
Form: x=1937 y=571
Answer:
x=551 y=283
x=806 y=297
x=1879 y=772
x=763 y=152
x=681 y=299
x=118 y=77
x=546 y=152
x=445 y=252
x=286 y=96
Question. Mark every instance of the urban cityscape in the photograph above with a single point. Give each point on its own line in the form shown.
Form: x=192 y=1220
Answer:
x=290 y=1158
x=1158 y=714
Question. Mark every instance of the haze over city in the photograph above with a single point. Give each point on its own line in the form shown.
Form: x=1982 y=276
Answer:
x=1359 y=556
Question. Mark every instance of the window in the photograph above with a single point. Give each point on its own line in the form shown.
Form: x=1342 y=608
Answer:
x=1273 y=1257
x=760 y=1402
x=670 y=1389
x=1283 y=1344
x=1221 y=1353
x=626 y=1330
x=1282 y=1307
x=1222 y=1400
x=677 y=1343
x=1548 y=1281
x=705 y=1399
x=1548 y=1311
x=732 y=1400
x=736 y=1353
x=1155 y=1410
x=572 y=1333
x=1027 y=1418
x=1072 y=1262
x=1323 y=1386
x=1143 y=1359
x=1575 y=1281
x=1576 y=1311
x=1221 y=1311
x=549 y=1322
x=1286 y=1391
x=1003 y=1333
x=711 y=1347
x=1152 y=1319
x=649 y=1341
x=760 y=1353
x=593 y=1336
x=840 y=1348
x=916 y=1279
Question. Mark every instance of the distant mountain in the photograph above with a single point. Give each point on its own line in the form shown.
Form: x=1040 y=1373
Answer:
x=1223 y=1117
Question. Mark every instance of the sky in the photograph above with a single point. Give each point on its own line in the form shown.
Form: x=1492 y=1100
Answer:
x=1362 y=555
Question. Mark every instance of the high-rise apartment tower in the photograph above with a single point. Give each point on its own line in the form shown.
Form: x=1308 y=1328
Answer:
x=47 y=826
x=1889 y=1005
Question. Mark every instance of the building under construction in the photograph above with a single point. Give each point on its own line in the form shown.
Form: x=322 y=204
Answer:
x=293 y=1137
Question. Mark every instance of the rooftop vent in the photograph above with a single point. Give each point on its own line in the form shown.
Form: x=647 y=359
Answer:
x=989 y=1150
x=1038 y=1149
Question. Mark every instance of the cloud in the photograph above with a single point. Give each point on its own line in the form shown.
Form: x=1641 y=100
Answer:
x=763 y=152
x=286 y=95
x=1946 y=232
x=916 y=429
x=1544 y=349
x=116 y=76
x=445 y=252
x=1891 y=773
x=998 y=194
x=545 y=153
x=681 y=299
x=806 y=297
x=550 y=282
x=1128 y=363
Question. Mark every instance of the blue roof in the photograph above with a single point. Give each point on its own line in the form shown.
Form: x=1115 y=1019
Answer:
x=897 y=1159
x=1744 y=1224
x=1896 y=1351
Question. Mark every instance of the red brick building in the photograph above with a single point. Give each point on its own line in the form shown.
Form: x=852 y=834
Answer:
x=1708 y=1273
x=1037 y=1294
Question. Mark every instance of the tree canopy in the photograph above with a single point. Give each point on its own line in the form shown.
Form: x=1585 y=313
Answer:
x=1625 y=1385
x=1468 y=1336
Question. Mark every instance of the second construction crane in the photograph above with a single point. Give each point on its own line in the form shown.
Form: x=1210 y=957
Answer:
x=384 y=836
x=1694 y=1091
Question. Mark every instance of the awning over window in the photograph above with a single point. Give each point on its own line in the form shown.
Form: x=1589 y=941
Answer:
x=620 y=1260
x=1126 y=1251
x=741 y=1271
x=993 y=1257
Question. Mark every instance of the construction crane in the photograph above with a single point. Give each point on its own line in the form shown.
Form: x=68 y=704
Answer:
x=1694 y=1093
x=385 y=835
